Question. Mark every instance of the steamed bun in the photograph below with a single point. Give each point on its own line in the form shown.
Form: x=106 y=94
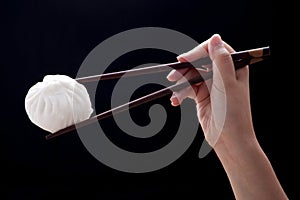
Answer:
x=57 y=102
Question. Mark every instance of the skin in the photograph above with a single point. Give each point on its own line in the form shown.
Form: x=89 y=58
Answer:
x=227 y=94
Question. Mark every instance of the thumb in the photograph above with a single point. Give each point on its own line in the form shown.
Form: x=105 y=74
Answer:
x=221 y=57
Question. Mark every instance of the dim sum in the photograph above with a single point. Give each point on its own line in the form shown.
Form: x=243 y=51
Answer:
x=57 y=102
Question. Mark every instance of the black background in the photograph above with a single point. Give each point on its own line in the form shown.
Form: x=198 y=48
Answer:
x=50 y=37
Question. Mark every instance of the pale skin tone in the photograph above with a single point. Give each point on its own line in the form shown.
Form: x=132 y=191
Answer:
x=249 y=171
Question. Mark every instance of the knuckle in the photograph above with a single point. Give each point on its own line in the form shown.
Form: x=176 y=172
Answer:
x=225 y=57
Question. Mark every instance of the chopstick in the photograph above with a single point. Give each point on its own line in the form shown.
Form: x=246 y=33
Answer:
x=240 y=60
x=144 y=70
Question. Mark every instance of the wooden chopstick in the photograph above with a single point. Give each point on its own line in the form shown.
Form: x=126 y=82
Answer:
x=241 y=56
x=142 y=71
x=240 y=60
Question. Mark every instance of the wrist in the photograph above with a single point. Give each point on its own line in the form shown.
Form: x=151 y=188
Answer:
x=248 y=169
x=233 y=147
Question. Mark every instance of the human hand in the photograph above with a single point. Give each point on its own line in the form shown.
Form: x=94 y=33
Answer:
x=223 y=102
x=223 y=109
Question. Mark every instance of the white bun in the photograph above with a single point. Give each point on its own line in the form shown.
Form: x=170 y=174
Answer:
x=57 y=102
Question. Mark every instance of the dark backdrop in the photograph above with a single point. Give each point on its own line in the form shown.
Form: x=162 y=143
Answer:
x=49 y=37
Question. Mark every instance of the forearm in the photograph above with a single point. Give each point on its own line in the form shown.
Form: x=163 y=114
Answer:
x=249 y=170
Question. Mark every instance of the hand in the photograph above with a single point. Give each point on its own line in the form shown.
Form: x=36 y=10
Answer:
x=223 y=109
x=223 y=103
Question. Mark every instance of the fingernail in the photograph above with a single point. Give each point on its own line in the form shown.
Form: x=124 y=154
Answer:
x=216 y=41
x=171 y=74
x=181 y=58
x=174 y=100
x=178 y=57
